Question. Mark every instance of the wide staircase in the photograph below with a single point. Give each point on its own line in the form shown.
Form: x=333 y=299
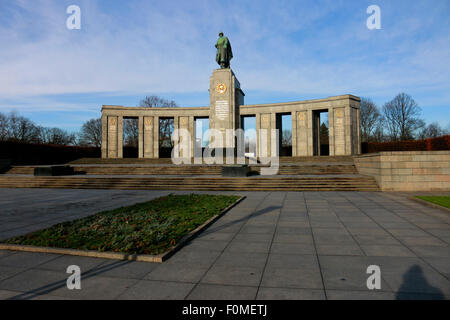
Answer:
x=295 y=174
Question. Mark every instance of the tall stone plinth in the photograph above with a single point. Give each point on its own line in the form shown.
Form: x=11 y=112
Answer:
x=226 y=97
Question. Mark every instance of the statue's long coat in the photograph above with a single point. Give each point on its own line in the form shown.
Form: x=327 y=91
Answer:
x=224 y=52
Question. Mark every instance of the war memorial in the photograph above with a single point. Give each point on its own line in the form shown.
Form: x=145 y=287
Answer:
x=226 y=112
x=200 y=227
x=227 y=163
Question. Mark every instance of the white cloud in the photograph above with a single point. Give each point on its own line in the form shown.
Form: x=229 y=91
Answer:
x=158 y=47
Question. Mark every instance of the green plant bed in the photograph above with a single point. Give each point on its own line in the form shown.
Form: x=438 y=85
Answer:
x=151 y=227
x=443 y=201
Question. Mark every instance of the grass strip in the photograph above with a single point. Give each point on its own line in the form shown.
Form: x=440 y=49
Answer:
x=443 y=201
x=151 y=227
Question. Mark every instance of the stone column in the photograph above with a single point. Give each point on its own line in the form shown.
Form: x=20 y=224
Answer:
x=358 y=114
x=331 y=130
x=156 y=137
x=294 y=133
x=302 y=133
x=339 y=131
x=112 y=137
x=176 y=126
x=273 y=125
x=183 y=123
x=258 y=128
x=104 y=136
x=265 y=150
x=120 y=137
x=148 y=137
x=348 y=129
x=354 y=133
x=310 y=128
x=192 y=132
x=141 y=137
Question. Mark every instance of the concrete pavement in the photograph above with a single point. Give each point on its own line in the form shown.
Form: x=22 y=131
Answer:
x=273 y=245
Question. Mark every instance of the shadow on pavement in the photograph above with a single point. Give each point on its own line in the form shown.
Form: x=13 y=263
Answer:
x=416 y=286
x=253 y=214
x=48 y=289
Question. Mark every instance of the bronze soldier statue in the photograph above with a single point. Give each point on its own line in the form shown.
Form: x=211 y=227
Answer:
x=224 y=52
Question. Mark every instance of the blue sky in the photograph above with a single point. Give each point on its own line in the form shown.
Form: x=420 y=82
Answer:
x=283 y=51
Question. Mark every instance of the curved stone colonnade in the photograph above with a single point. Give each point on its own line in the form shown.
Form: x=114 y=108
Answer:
x=226 y=111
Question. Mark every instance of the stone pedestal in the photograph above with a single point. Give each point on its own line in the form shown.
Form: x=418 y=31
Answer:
x=54 y=171
x=226 y=97
x=5 y=164
x=236 y=171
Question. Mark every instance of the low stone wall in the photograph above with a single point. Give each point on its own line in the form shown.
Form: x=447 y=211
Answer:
x=407 y=170
x=44 y=154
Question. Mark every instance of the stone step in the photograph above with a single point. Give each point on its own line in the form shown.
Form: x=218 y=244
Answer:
x=315 y=159
x=193 y=183
x=192 y=170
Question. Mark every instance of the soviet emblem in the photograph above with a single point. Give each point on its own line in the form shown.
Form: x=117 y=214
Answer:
x=221 y=88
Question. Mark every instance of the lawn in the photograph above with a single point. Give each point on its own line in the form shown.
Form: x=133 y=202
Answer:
x=151 y=227
x=443 y=201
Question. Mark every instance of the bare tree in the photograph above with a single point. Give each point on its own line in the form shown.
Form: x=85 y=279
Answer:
x=131 y=132
x=157 y=102
x=22 y=129
x=4 y=125
x=91 y=133
x=402 y=117
x=324 y=134
x=370 y=119
x=56 y=136
x=379 y=134
x=286 y=138
x=131 y=126
x=165 y=125
x=433 y=130
x=17 y=128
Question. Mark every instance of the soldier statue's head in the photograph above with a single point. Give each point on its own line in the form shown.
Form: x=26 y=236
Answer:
x=221 y=34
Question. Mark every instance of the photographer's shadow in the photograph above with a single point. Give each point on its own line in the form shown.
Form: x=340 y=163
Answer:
x=416 y=286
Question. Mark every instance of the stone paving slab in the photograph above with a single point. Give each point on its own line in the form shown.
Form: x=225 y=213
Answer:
x=290 y=294
x=222 y=292
x=273 y=245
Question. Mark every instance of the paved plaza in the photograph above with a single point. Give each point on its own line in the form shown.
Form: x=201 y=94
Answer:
x=273 y=245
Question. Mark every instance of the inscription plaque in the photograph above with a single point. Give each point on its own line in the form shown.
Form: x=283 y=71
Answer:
x=222 y=109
